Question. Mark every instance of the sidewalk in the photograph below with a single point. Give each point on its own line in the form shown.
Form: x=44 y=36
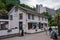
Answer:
x=58 y=38
x=37 y=36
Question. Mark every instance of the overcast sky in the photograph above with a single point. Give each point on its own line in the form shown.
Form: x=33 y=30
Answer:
x=55 y=4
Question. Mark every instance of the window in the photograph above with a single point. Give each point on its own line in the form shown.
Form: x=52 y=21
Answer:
x=20 y=26
x=34 y=25
x=20 y=16
x=3 y=25
x=11 y=17
x=39 y=17
x=45 y=19
x=16 y=9
x=29 y=16
x=45 y=24
x=39 y=25
x=42 y=18
x=32 y=17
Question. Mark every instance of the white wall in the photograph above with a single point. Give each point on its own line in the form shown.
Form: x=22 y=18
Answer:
x=5 y=32
x=36 y=19
x=40 y=9
x=15 y=21
x=12 y=24
x=24 y=20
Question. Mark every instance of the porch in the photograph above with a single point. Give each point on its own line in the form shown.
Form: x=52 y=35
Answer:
x=5 y=28
x=34 y=27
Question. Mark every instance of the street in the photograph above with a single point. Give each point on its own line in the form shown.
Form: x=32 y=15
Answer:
x=37 y=36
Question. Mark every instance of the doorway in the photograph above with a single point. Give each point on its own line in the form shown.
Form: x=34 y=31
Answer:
x=20 y=26
x=29 y=25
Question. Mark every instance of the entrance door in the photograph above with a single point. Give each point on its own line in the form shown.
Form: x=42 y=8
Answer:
x=20 y=26
x=29 y=25
x=39 y=25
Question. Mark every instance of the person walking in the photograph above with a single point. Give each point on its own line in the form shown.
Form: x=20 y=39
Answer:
x=45 y=29
x=54 y=35
x=50 y=29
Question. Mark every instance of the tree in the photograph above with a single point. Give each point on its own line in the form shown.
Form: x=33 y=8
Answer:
x=27 y=7
x=48 y=15
x=3 y=14
x=4 y=1
x=9 y=7
x=58 y=14
x=53 y=23
x=13 y=2
x=2 y=5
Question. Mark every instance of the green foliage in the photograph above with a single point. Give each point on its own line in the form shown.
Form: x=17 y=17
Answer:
x=3 y=14
x=2 y=5
x=50 y=18
x=28 y=7
x=9 y=7
x=6 y=6
x=48 y=15
x=3 y=11
x=52 y=23
x=4 y=1
x=13 y=2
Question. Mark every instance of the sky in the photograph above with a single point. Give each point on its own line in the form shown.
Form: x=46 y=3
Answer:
x=54 y=4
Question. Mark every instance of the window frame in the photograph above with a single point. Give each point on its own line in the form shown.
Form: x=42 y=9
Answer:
x=16 y=9
x=20 y=16
x=32 y=17
x=11 y=17
x=39 y=17
x=29 y=16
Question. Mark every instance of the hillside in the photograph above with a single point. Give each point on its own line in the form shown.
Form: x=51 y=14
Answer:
x=6 y=6
x=58 y=9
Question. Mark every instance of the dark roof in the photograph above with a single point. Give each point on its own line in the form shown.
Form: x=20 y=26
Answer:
x=32 y=12
x=28 y=11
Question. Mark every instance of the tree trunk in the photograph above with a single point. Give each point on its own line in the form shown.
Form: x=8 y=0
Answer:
x=58 y=25
x=59 y=29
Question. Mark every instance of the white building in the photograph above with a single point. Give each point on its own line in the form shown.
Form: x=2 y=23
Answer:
x=22 y=18
x=41 y=9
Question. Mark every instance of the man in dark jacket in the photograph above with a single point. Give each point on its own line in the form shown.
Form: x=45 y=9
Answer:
x=50 y=29
x=54 y=35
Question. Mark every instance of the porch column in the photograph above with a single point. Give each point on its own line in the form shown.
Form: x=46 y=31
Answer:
x=9 y=24
x=37 y=25
x=43 y=25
